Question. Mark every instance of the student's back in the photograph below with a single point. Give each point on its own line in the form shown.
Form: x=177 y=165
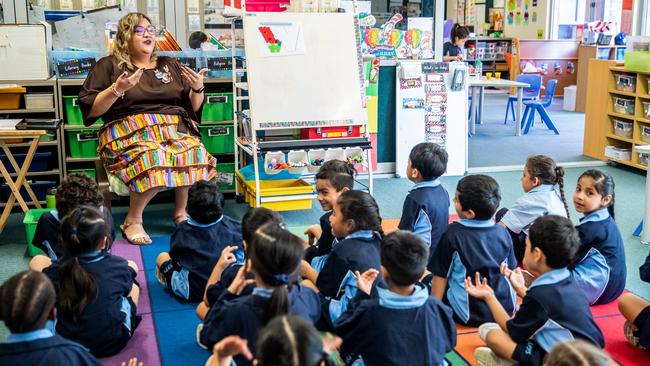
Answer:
x=51 y=351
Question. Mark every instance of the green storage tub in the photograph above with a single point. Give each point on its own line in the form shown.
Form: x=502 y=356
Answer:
x=638 y=61
x=89 y=172
x=82 y=143
x=73 y=112
x=226 y=168
x=30 y=221
x=217 y=107
x=218 y=139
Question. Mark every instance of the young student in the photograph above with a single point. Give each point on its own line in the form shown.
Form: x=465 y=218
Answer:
x=96 y=291
x=232 y=259
x=196 y=39
x=426 y=208
x=543 y=184
x=356 y=219
x=578 y=353
x=404 y=325
x=27 y=309
x=274 y=255
x=333 y=178
x=553 y=309
x=452 y=50
x=76 y=189
x=197 y=243
x=637 y=313
x=599 y=265
x=475 y=243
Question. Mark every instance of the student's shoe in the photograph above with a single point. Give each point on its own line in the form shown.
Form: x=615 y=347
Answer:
x=160 y=277
x=199 y=328
x=629 y=329
x=486 y=328
x=486 y=357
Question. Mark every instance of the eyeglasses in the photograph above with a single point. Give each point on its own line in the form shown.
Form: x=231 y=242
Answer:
x=140 y=30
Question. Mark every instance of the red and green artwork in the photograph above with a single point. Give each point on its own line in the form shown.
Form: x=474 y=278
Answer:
x=274 y=44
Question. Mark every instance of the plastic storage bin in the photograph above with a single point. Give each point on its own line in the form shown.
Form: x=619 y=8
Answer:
x=299 y=158
x=30 y=221
x=623 y=105
x=271 y=159
x=316 y=159
x=335 y=154
x=39 y=187
x=626 y=83
x=355 y=157
x=623 y=128
x=89 y=172
x=267 y=5
x=10 y=97
x=40 y=162
x=643 y=159
x=646 y=109
x=299 y=193
x=217 y=107
x=39 y=100
x=217 y=139
x=645 y=133
x=83 y=143
x=226 y=176
x=569 y=103
x=618 y=153
x=73 y=112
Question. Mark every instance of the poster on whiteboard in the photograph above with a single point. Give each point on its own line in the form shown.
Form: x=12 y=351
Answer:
x=281 y=39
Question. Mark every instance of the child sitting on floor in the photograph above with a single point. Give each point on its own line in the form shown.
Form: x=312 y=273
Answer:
x=553 y=309
x=637 y=313
x=578 y=353
x=404 y=325
x=426 y=208
x=96 y=291
x=599 y=265
x=197 y=243
x=473 y=244
x=27 y=309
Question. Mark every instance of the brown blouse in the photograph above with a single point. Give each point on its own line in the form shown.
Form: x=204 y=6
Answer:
x=150 y=95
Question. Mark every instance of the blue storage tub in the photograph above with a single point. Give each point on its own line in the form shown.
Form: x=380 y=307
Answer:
x=40 y=162
x=249 y=173
x=39 y=187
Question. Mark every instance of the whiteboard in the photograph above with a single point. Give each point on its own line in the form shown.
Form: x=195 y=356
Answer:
x=23 y=52
x=317 y=79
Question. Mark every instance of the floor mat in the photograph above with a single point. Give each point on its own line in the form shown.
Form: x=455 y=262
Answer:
x=616 y=344
x=176 y=336
x=607 y=309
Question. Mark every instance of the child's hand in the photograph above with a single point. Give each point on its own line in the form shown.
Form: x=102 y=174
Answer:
x=516 y=278
x=331 y=343
x=227 y=257
x=313 y=233
x=481 y=290
x=365 y=280
x=132 y=362
x=305 y=269
x=240 y=281
x=224 y=350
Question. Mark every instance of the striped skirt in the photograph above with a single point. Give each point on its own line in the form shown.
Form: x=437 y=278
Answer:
x=147 y=151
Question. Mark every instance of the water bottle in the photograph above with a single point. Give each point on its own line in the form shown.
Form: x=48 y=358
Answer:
x=479 y=69
x=50 y=198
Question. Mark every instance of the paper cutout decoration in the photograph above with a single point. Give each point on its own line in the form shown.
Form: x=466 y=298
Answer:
x=544 y=68
x=410 y=83
x=412 y=103
x=557 y=68
x=570 y=68
x=281 y=39
x=274 y=44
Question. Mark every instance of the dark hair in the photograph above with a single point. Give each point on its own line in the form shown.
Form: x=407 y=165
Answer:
x=458 y=32
x=556 y=237
x=405 y=257
x=205 y=202
x=360 y=207
x=255 y=218
x=604 y=184
x=77 y=189
x=275 y=255
x=81 y=231
x=577 y=353
x=479 y=193
x=544 y=168
x=339 y=173
x=26 y=300
x=429 y=159
x=289 y=341
x=196 y=38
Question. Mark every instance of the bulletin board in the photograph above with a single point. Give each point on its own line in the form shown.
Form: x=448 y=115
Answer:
x=304 y=67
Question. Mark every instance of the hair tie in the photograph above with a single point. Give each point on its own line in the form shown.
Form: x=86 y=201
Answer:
x=282 y=226
x=280 y=279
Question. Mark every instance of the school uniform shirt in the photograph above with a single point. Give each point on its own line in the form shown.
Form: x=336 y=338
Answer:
x=540 y=201
x=426 y=212
x=359 y=251
x=47 y=236
x=644 y=270
x=228 y=275
x=392 y=329
x=554 y=310
x=243 y=316
x=108 y=320
x=599 y=265
x=450 y=49
x=42 y=348
x=471 y=246
x=325 y=241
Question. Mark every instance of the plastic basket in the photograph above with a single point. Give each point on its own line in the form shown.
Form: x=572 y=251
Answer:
x=217 y=139
x=273 y=158
x=226 y=176
x=73 y=114
x=626 y=83
x=335 y=154
x=623 y=105
x=217 y=107
x=299 y=193
x=83 y=143
x=645 y=133
x=298 y=157
x=40 y=162
x=30 y=221
x=89 y=172
x=316 y=159
x=623 y=128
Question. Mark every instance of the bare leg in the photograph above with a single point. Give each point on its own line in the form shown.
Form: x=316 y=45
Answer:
x=133 y=220
x=133 y=265
x=202 y=310
x=501 y=343
x=135 y=293
x=180 y=194
x=631 y=305
x=39 y=263
x=162 y=258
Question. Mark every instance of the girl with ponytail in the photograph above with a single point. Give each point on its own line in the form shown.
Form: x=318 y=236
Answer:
x=274 y=255
x=96 y=291
x=452 y=50
x=543 y=185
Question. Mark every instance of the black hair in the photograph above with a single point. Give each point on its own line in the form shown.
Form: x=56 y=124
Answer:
x=544 y=168
x=205 y=202
x=429 y=159
x=196 y=38
x=339 y=173
x=360 y=207
x=77 y=189
x=26 y=300
x=255 y=218
x=604 y=184
x=458 y=32
x=275 y=254
x=81 y=232
x=479 y=193
x=289 y=341
x=556 y=237
x=405 y=257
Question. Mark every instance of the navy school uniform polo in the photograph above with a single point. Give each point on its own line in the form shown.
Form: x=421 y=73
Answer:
x=228 y=275
x=243 y=316
x=426 y=212
x=471 y=246
x=599 y=265
x=42 y=348
x=642 y=320
x=108 y=321
x=325 y=241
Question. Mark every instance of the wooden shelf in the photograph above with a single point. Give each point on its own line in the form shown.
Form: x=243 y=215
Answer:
x=643 y=120
x=639 y=142
x=39 y=174
x=40 y=143
x=619 y=92
x=616 y=137
x=630 y=163
x=42 y=203
x=624 y=116
x=81 y=127
x=27 y=111
x=80 y=160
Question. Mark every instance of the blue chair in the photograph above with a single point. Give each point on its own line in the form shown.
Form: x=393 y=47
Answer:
x=540 y=106
x=530 y=93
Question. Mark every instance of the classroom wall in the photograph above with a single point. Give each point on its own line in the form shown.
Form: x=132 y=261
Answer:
x=529 y=31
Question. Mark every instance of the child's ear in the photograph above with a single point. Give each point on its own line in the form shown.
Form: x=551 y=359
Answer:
x=244 y=245
x=384 y=273
x=537 y=181
x=538 y=255
x=415 y=173
x=606 y=200
x=344 y=189
x=103 y=242
x=350 y=225
x=470 y=214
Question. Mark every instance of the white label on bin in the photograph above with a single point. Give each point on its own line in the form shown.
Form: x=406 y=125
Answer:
x=88 y=136
x=219 y=131
x=75 y=102
x=620 y=102
x=217 y=99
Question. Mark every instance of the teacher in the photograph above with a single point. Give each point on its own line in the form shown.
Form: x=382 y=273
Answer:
x=150 y=106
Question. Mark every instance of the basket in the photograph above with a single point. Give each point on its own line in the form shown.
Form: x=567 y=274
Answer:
x=623 y=128
x=10 y=97
x=623 y=105
x=217 y=107
x=316 y=159
x=298 y=157
x=83 y=143
x=30 y=221
x=272 y=158
x=217 y=139
x=618 y=153
x=645 y=133
x=298 y=192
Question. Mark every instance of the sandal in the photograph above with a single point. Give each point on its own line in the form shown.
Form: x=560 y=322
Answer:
x=137 y=237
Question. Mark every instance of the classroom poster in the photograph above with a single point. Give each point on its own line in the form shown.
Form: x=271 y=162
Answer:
x=419 y=37
x=281 y=39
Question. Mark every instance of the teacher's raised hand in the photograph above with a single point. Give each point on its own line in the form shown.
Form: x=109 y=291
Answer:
x=125 y=81
x=194 y=79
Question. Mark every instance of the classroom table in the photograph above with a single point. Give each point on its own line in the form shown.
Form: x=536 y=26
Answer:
x=645 y=232
x=20 y=181
x=477 y=87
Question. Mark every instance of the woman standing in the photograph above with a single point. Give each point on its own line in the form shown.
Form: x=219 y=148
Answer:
x=149 y=104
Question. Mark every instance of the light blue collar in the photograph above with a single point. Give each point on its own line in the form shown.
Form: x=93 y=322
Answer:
x=29 y=336
x=426 y=183
x=551 y=277
x=392 y=300
x=91 y=257
x=598 y=215
x=543 y=188
x=263 y=292
x=364 y=234
x=191 y=221
x=55 y=214
x=476 y=223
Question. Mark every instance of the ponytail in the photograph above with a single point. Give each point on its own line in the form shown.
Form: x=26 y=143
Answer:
x=559 y=173
x=278 y=303
x=545 y=169
x=458 y=32
x=77 y=288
